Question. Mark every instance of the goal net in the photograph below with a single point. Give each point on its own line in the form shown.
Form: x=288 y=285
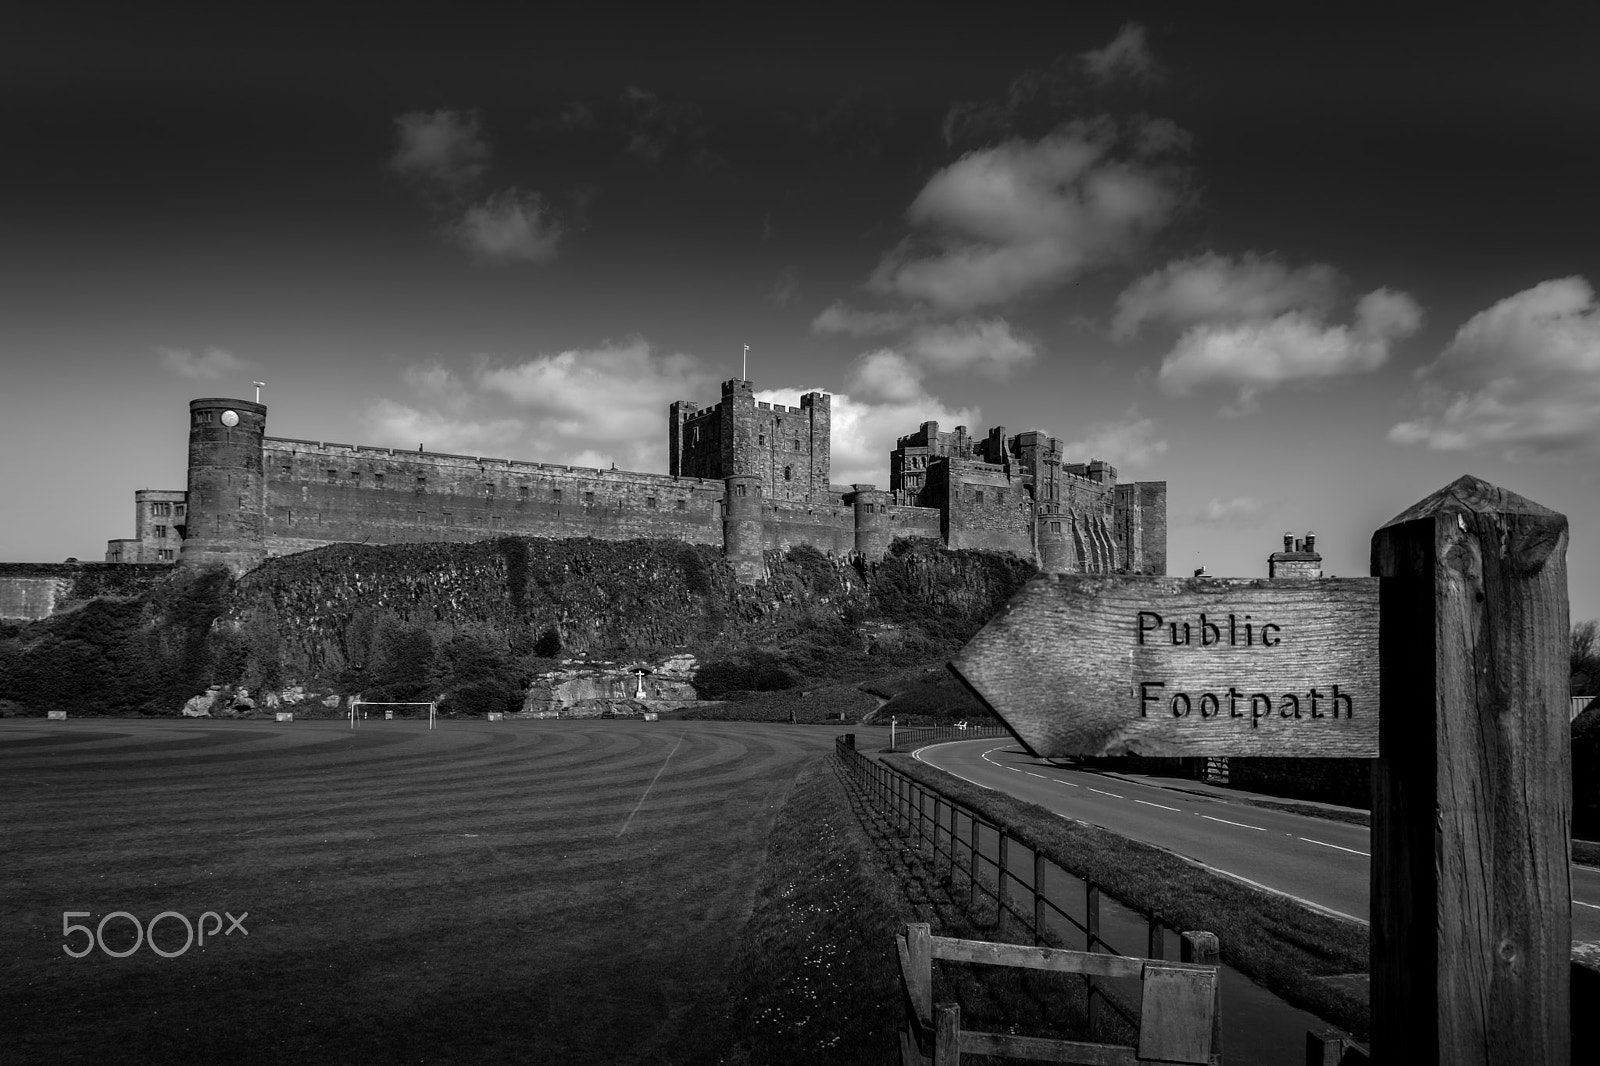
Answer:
x=374 y=710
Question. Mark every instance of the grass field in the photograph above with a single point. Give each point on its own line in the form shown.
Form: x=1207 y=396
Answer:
x=556 y=891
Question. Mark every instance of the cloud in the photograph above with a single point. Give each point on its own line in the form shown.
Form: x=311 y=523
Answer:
x=399 y=425
x=1239 y=511
x=443 y=150
x=837 y=318
x=1128 y=441
x=1127 y=56
x=208 y=365
x=866 y=428
x=985 y=346
x=610 y=400
x=885 y=376
x=577 y=115
x=786 y=289
x=510 y=226
x=1211 y=288
x=438 y=385
x=1011 y=220
x=657 y=125
x=1523 y=376
x=1257 y=355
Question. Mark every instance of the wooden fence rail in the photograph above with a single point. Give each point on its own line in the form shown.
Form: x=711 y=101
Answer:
x=958 y=836
x=1177 y=1013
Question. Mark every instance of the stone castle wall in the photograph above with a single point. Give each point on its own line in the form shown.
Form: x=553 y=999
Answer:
x=324 y=493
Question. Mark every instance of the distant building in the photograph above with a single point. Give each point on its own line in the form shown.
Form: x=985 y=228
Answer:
x=1299 y=558
x=749 y=477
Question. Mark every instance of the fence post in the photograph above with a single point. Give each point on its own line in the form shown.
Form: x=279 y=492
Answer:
x=947 y=1035
x=1471 y=796
x=1324 y=1047
x=1038 y=897
x=1204 y=948
x=1091 y=933
x=972 y=864
x=1157 y=940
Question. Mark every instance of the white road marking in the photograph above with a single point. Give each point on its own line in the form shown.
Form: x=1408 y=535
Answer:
x=652 y=784
x=1041 y=777
x=1325 y=844
x=1163 y=806
x=1058 y=781
x=1113 y=795
x=1241 y=825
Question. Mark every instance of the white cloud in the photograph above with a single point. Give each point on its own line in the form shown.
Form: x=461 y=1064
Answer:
x=865 y=430
x=1239 y=511
x=438 y=385
x=398 y=425
x=986 y=346
x=210 y=364
x=444 y=149
x=1019 y=217
x=885 y=376
x=509 y=226
x=1127 y=441
x=837 y=318
x=610 y=400
x=1126 y=56
x=1523 y=376
x=1258 y=355
x=1211 y=288
x=786 y=289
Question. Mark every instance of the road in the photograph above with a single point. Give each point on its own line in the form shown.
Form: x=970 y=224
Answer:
x=1321 y=862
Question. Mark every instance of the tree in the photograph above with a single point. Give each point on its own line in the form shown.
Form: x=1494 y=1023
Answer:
x=1586 y=658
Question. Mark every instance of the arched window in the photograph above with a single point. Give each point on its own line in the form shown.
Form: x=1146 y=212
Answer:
x=788 y=473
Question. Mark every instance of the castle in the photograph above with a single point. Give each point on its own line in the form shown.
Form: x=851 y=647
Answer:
x=749 y=477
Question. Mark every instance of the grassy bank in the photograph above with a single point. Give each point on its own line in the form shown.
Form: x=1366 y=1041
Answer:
x=1304 y=956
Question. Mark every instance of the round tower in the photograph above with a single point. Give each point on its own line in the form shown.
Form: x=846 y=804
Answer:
x=873 y=531
x=1057 y=553
x=742 y=526
x=226 y=520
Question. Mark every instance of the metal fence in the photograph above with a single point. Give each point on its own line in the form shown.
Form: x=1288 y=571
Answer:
x=1022 y=882
x=902 y=739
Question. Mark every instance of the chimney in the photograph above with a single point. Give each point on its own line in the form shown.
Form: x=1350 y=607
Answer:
x=1311 y=542
x=1288 y=542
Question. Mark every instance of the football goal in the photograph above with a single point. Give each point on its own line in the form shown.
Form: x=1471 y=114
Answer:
x=366 y=710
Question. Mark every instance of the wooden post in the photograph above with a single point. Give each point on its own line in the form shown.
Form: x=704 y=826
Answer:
x=947 y=1035
x=1038 y=896
x=1325 y=1047
x=1471 y=797
x=1204 y=948
x=972 y=859
x=1091 y=926
x=919 y=949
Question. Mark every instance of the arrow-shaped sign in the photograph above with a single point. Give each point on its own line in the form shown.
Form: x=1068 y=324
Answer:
x=1080 y=664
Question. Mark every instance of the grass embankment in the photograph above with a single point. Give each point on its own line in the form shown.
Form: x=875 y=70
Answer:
x=1287 y=947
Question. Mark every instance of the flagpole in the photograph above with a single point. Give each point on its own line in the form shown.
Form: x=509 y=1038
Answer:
x=744 y=374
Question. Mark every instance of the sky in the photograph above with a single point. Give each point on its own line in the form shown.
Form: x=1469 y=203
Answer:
x=1305 y=268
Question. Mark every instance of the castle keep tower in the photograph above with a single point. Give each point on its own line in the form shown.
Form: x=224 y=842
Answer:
x=226 y=521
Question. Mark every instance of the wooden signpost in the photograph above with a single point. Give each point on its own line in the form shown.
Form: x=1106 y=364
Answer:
x=1461 y=636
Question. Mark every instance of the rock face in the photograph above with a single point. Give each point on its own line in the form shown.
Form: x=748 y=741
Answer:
x=200 y=706
x=582 y=688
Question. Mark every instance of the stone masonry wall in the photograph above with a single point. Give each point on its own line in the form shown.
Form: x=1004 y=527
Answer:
x=322 y=493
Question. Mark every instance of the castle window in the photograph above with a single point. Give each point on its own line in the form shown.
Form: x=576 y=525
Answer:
x=164 y=554
x=650 y=502
x=449 y=519
x=355 y=477
x=797 y=444
x=161 y=508
x=977 y=497
x=738 y=490
x=869 y=508
x=177 y=509
x=788 y=473
x=522 y=492
x=160 y=532
x=333 y=475
x=489 y=488
x=762 y=440
x=1055 y=527
x=497 y=521
x=287 y=469
x=377 y=481
x=588 y=499
x=555 y=495
x=422 y=482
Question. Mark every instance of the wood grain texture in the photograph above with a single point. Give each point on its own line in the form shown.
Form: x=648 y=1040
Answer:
x=1471 y=798
x=1176 y=1012
x=1059 y=960
x=1082 y=664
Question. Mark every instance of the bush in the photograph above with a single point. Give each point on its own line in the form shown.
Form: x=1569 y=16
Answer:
x=753 y=671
